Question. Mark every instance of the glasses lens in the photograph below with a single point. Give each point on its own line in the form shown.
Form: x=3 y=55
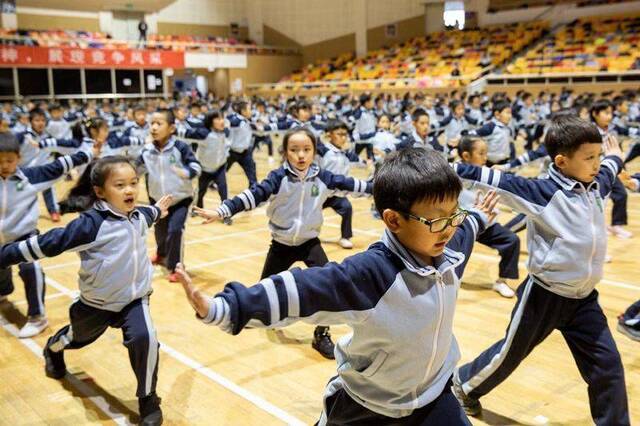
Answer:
x=458 y=219
x=439 y=225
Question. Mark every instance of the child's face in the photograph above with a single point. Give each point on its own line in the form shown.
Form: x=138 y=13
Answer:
x=38 y=123
x=300 y=151
x=339 y=137
x=246 y=113
x=478 y=155
x=181 y=114
x=121 y=188
x=218 y=124
x=417 y=236
x=56 y=114
x=475 y=103
x=623 y=108
x=369 y=104
x=100 y=134
x=8 y=163
x=195 y=110
x=304 y=114
x=161 y=130
x=584 y=113
x=384 y=123
x=459 y=110
x=140 y=117
x=603 y=118
x=504 y=116
x=422 y=125
x=583 y=165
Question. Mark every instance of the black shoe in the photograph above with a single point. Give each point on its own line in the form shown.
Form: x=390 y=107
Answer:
x=227 y=221
x=322 y=342
x=471 y=406
x=629 y=327
x=54 y=365
x=150 y=412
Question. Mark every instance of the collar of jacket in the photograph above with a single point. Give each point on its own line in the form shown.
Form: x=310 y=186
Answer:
x=498 y=123
x=17 y=175
x=106 y=207
x=313 y=171
x=441 y=264
x=568 y=183
x=168 y=146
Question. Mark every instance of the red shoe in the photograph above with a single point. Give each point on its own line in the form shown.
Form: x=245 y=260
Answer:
x=173 y=277
x=157 y=260
x=55 y=217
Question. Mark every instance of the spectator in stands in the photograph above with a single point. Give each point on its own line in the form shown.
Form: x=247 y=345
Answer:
x=142 y=27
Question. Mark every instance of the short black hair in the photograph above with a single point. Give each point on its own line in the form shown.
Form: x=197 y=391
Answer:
x=466 y=145
x=290 y=133
x=9 y=143
x=364 y=98
x=334 y=124
x=567 y=132
x=168 y=115
x=209 y=117
x=598 y=106
x=139 y=107
x=36 y=112
x=419 y=112
x=413 y=175
x=500 y=106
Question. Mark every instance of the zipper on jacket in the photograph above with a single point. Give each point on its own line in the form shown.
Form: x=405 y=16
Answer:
x=135 y=261
x=299 y=224
x=593 y=237
x=434 y=345
x=161 y=174
x=5 y=189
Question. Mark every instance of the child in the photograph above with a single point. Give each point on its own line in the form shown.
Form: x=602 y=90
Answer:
x=115 y=276
x=213 y=141
x=337 y=161
x=419 y=137
x=498 y=135
x=365 y=125
x=19 y=187
x=139 y=129
x=57 y=126
x=602 y=116
x=241 y=150
x=398 y=297
x=453 y=126
x=567 y=241
x=170 y=165
x=297 y=191
x=474 y=151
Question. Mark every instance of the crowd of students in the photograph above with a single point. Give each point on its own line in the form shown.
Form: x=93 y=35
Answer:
x=439 y=165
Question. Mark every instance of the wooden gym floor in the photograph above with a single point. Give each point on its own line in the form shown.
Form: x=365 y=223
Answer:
x=261 y=377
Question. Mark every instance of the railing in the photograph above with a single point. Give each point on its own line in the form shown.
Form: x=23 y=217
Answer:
x=190 y=46
x=565 y=78
x=369 y=85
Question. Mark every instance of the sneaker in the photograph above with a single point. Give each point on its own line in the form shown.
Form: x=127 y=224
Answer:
x=345 y=243
x=470 y=405
x=193 y=213
x=157 y=260
x=271 y=160
x=620 y=232
x=322 y=342
x=630 y=327
x=54 y=365
x=33 y=327
x=608 y=258
x=55 y=217
x=173 y=277
x=503 y=289
x=227 y=221
x=149 y=409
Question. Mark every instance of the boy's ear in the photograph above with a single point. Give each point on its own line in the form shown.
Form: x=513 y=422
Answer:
x=466 y=156
x=560 y=161
x=392 y=219
x=99 y=191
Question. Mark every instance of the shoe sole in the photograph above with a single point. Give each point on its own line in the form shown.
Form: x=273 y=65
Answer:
x=622 y=329
x=332 y=356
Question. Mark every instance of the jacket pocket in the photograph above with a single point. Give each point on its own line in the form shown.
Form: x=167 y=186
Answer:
x=375 y=365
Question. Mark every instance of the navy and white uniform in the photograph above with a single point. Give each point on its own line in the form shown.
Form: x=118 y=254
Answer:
x=19 y=221
x=499 y=139
x=114 y=279
x=567 y=239
x=241 y=152
x=384 y=370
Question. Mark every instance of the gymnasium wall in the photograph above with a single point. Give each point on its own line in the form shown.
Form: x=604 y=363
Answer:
x=47 y=19
x=203 y=17
x=264 y=69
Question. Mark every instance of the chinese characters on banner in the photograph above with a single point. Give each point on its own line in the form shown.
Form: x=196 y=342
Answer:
x=89 y=58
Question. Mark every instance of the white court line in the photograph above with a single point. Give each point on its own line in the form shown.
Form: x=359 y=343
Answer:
x=210 y=374
x=98 y=401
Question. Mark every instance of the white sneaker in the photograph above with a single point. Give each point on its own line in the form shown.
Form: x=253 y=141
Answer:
x=33 y=327
x=620 y=232
x=271 y=160
x=345 y=243
x=503 y=289
x=608 y=258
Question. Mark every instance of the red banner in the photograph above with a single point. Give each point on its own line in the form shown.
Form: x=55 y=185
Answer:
x=89 y=58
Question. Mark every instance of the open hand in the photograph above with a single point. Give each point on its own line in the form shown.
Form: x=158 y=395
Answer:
x=611 y=146
x=208 y=215
x=163 y=204
x=198 y=301
x=487 y=204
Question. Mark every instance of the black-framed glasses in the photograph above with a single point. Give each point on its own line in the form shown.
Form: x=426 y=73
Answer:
x=441 y=223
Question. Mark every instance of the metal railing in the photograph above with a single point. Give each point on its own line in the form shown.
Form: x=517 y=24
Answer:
x=204 y=46
x=598 y=77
